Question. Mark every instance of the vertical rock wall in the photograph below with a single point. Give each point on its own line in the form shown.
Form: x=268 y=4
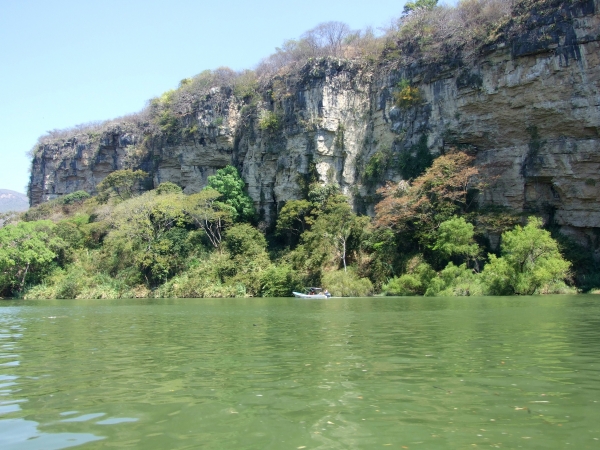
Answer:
x=529 y=106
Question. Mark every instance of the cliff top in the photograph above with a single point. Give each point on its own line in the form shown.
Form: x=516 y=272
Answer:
x=424 y=34
x=440 y=35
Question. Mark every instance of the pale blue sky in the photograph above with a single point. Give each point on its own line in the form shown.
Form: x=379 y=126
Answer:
x=66 y=62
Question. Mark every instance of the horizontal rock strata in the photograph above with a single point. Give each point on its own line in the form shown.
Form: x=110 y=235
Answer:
x=528 y=105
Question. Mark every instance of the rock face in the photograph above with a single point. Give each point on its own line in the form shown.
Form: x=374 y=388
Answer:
x=528 y=105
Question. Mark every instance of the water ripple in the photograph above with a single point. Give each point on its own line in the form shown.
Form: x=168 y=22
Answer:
x=279 y=373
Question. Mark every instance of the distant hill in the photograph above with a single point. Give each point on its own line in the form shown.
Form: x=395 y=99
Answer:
x=13 y=201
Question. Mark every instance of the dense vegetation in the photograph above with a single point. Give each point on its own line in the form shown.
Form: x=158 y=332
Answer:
x=427 y=238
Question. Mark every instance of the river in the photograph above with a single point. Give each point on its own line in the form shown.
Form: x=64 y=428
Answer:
x=407 y=373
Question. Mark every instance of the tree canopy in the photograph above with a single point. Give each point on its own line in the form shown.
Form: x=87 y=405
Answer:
x=530 y=259
x=229 y=184
x=432 y=198
x=419 y=4
x=119 y=183
x=27 y=252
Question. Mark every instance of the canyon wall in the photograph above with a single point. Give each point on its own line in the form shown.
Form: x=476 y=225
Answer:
x=528 y=106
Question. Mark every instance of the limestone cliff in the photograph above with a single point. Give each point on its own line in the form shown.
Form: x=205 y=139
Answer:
x=528 y=104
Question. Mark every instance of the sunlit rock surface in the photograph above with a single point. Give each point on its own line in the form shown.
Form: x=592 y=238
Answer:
x=529 y=106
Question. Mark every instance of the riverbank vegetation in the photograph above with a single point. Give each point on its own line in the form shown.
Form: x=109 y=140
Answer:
x=427 y=238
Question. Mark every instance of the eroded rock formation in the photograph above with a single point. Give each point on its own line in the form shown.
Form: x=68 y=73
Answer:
x=528 y=105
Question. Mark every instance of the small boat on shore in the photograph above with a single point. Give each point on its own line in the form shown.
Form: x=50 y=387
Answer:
x=313 y=293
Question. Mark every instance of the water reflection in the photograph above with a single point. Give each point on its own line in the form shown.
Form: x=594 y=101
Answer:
x=21 y=434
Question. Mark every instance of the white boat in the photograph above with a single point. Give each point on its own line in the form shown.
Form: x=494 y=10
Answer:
x=313 y=296
x=313 y=293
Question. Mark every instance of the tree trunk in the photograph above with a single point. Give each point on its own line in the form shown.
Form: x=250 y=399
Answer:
x=23 y=280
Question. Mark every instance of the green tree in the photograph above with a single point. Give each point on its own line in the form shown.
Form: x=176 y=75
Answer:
x=334 y=234
x=28 y=251
x=455 y=281
x=70 y=233
x=455 y=238
x=209 y=214
x=529 y=260
x=293 y=217
x=419 y=4
x=248 y=259
x=384 y=254
x=319 y=194
x=414 y=282
x=243 y=239
x=143 y=235
x=229 y=184
x=119 y=183
x=336 y=226
x=168 y=188
x=279 y=281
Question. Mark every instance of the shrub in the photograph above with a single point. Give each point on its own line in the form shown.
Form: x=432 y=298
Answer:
x=529 y=263
x=586 y=268
x=79 y=280
x=455 y=281
x=193 y=285
x=414 y=282
x=245 y=85
x=168 y=188
x=40 y=292
x=120 y=183
x=433 y=34
x=377 y=165
x=269 y=121
x=279 y=281
x=347 y=284
x=203 y=280
x=74 y=197
x=71 y=284
x=413 y=161
x=70 y=233
x=245 y=240
x=404 y=285
x=407 y=96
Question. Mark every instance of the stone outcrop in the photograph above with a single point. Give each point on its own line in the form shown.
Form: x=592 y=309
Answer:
x=528 y=105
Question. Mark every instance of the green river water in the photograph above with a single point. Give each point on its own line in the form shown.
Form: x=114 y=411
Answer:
x=404 y=373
